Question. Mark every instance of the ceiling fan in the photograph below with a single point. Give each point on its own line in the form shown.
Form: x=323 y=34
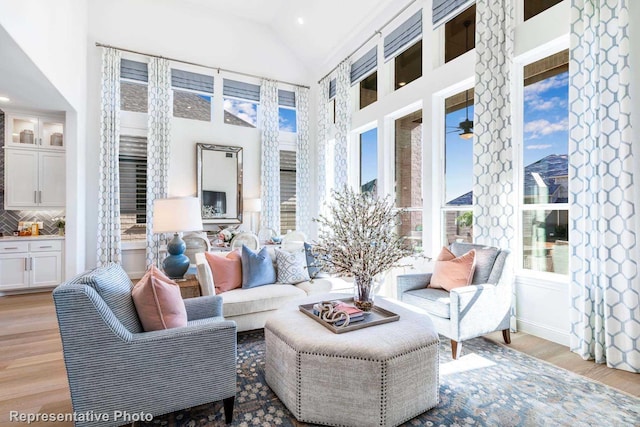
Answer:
x=466 y=126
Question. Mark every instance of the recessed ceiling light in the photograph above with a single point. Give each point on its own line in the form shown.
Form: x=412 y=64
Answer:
x=300 y=20
x=4 y=99
x=402 y=83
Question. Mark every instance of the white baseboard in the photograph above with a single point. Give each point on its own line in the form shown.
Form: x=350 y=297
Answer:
x=544 y=331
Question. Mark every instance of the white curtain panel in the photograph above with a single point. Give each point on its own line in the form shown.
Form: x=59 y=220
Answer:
x=493 y=152
x=270 y=214
x=323 y=134
x=158 y=144
x=109 y=248
x=605 y=313
x=343 y=124
x=303 y=172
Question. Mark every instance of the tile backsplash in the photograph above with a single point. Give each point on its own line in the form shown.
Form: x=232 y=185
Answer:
x=9 y=219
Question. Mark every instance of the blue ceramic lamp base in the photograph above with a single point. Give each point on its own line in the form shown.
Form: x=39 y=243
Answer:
x=177 y=263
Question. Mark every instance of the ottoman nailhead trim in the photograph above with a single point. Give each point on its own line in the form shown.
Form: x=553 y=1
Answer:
x=383 y=394
x=299 y=387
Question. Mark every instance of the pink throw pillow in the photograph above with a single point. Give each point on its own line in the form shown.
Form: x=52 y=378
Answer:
x=227 y=272
x=158 y=302
x=450 y=272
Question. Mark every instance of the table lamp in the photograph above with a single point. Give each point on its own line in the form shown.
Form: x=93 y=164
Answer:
x=175 y=215
x=253 y=206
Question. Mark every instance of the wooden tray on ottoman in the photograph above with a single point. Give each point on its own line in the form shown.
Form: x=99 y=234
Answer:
x=377 y=316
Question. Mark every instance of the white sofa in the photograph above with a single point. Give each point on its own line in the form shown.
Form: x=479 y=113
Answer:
x=249 y=308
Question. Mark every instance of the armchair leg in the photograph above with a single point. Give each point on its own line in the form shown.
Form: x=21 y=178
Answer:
x=456 y=349
x=506 y=335
x=228 y=409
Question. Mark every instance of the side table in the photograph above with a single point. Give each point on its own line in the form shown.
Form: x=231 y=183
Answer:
x=189 y=287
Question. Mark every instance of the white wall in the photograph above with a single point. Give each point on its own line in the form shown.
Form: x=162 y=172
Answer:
x=197 y=35
x=53 y=35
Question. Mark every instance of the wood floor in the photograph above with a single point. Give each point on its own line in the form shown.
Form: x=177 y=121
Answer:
x=33 y=378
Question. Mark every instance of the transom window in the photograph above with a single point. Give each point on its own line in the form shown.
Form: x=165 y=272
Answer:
x=241 y=102
x=460 y=34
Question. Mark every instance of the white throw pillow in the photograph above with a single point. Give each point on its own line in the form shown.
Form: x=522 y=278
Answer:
x=292 y=267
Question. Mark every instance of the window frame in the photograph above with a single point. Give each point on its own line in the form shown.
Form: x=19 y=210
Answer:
x=444 y=207
x=134 y=133
x=391 y=181
x=517 y=121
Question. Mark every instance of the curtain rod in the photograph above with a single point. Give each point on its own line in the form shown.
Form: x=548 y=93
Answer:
x=379 y=31
x=218 y=69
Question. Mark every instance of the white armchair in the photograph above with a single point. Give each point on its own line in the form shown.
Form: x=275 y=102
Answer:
x=469 y=311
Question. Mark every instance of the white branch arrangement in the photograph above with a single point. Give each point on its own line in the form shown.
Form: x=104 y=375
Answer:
x=357 y=236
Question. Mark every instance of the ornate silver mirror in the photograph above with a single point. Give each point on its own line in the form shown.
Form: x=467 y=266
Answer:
x=220 y=183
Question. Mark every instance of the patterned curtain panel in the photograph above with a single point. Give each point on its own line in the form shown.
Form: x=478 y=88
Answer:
x=109 y=249
x=493 y=153
x=158 y=144
x=270 y=214
x=323 y=134
x=605 y=323
x=303 y=172
x=343 y=123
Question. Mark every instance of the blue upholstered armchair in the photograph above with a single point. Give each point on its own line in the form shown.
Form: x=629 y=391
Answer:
x=112 y=365
x=469 y=311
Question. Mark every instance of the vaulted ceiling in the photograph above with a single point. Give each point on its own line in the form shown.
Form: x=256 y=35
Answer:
x=327 y=24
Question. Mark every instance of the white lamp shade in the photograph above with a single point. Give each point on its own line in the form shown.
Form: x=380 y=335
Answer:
x=176 y=214
x=253 y=205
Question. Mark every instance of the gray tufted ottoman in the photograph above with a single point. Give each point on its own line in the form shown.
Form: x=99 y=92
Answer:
x=382 y=375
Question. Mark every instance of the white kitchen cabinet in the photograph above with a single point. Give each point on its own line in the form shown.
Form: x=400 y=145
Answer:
x=34 y=179
x=31 y=130
x=30 y=264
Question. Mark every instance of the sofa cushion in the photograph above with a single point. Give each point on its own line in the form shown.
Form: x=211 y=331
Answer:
x=292 y=266
x=435 y=301
x=226 y=271
x=114 y=287
x=485 y=258
x=257 y=268
x=237 y=302
x=158 y=302
x=451 y=272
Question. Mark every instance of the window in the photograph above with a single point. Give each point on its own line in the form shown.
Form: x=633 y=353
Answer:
x=332 y=99
x=457 y=210
x=460 y=34
x=287 y=111
x=408 y=65
x=404 y=45
x=369 y=161
x=363 y=72
x=534 y=7
x=545 y=160
x=192 y=95
x=287 y=191
x=369 y=90
x=408 y=177
x=241 y=103
x=134 y=79
x=132 y=162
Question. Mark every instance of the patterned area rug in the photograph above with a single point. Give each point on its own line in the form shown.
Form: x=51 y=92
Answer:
x=490 y=385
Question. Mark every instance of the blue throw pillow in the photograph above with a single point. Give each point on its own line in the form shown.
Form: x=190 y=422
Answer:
x=312 y=266
x=257 y=268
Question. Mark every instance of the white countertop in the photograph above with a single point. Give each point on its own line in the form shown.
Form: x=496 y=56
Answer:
x=40 y=237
